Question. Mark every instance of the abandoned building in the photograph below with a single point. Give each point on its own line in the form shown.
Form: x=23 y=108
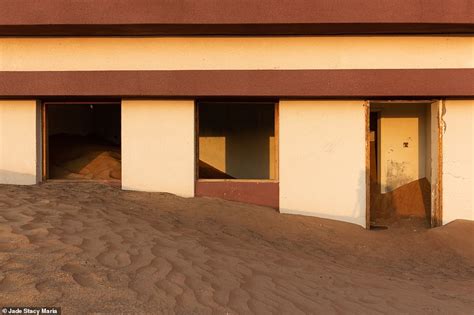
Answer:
x=315 y=108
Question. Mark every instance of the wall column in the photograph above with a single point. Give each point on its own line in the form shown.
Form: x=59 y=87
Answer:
x=19 y=142
x=458 y=155
x=322 y=159
x=158 y=146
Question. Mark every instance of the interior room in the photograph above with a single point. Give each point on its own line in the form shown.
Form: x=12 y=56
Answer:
x=237 y=141
x=401 y=168
x=83 y=141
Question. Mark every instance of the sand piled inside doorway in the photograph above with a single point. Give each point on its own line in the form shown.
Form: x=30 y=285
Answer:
x=410 y=200
x=83 y=158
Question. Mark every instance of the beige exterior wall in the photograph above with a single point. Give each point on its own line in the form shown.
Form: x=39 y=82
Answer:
x=322 y=159
x=399 y=124
x=158 y=146
x=19 y=142
x=180 y=53
x=458 y=155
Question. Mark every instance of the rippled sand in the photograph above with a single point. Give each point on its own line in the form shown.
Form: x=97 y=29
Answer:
x=94 y=248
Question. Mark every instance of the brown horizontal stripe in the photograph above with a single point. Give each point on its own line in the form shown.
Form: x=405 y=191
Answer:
x=240 y=83
x=259 y=193
x=234 y=29
x=107 y=17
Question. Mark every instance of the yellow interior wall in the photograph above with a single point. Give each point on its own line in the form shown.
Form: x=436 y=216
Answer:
x=402 y=123
x=212 y=151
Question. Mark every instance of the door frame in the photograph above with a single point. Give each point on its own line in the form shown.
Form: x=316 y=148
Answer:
x=436 y=115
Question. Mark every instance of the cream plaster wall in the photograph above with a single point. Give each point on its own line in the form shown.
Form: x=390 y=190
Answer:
x=399 y=124
x=19 y=142
x=181 y=53
x=322 y=159
x=458 y=155
x=158 y=146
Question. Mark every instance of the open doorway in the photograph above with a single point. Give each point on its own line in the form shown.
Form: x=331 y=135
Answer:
x=82 y=141
x=403 y=164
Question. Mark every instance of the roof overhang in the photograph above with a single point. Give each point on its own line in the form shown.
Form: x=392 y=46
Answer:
x=234 y=17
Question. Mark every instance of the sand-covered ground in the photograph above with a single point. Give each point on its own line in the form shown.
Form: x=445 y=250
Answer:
x=93 y=248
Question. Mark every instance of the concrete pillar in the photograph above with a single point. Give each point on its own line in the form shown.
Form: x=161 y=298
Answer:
x=322 y=159
x=158 y=146
x=19 y=142
x=458 y=155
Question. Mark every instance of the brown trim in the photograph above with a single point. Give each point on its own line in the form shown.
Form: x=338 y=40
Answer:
x=387 y=83
x=213 y=17
x=196 y=142
x=276 y=128
x=237 y=29
x=45 y=145
x=81 y=103
x=439 y=216
x=263 y=193
x=367 y=164
x=437 y=208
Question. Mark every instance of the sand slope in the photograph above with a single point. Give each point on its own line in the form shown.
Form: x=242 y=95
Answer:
x=93 y=248
x=409 y=200
x=77 y=157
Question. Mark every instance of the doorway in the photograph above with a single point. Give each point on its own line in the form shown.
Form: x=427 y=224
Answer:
x=403 y=164
x=82 y=141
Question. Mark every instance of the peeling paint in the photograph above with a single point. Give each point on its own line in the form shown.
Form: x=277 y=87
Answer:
x=397 y=174
x=443 y=124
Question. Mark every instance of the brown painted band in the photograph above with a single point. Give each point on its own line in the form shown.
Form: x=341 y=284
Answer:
x=411 y=83
x=60 y=12
x=236 y=29
x=131 y=17
x=259 y=193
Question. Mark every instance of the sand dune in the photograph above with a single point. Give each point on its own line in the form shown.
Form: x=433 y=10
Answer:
x=94 y=248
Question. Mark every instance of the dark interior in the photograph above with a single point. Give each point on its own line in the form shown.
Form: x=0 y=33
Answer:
x=84 y=141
